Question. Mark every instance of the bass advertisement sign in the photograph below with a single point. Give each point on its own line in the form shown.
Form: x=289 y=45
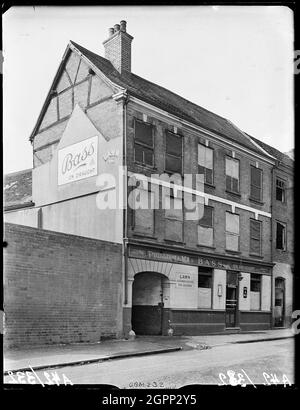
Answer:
x=78 y=161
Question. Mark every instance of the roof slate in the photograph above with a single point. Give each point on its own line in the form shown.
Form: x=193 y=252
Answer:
x=275 y=153
x=17 y=188
x=167 y=100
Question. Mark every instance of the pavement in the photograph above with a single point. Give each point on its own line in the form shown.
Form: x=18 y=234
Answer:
x=55 y=356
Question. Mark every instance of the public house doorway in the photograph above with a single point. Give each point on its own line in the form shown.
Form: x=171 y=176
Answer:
x=279 y=302
x=148 y=303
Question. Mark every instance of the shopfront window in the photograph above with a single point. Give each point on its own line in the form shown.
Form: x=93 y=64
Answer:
x=255 y=292
x=205 y=287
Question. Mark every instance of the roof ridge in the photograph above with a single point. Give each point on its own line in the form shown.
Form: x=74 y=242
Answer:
x=128 y=73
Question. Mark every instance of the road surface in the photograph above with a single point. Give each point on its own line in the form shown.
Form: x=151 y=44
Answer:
x=267 y=362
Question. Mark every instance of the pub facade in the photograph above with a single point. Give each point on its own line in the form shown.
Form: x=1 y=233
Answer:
x=201 y=264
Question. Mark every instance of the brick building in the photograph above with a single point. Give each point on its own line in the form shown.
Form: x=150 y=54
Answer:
x=105 y=135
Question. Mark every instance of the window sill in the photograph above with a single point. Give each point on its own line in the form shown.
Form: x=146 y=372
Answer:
x=256 y=201
x=253 y=255
x=174 y=242
x=280 y=250
x=143 y=235
x=140 y=165
x=209 y=185
x=237 y=194
x=205 y=246
x=233 y=252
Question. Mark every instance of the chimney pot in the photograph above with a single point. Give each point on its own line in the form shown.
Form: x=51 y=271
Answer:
x=117 y=27
x=111 y=31
x=123 y=25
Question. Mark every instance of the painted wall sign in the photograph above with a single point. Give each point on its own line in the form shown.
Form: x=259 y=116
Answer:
x=184 y=280
x=215 y=263
x=78 y=161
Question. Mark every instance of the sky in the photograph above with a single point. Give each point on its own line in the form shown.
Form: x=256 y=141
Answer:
x=236 y=61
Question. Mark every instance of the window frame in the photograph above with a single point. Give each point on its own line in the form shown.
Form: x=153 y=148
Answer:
x=172 y=155
x=232 y=233
x=284 y=236
x=227 y=157
x=208 y=272
x=251 y=238
x=143 y=145
x=207 y=226
x=133 y=221
x=261 y=184
x=205 y=168
x=254 y=277
x=278 y=179
x=168 y=218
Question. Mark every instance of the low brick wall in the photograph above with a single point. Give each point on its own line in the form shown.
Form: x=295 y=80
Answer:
x=60 y=288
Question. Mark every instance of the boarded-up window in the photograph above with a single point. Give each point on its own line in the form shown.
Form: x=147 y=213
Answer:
x=174 y=218
x=205 y=288
x=205 y=163
x=280 y=236
x=256 y=184
x=205 y=227
x=280 y=190
x=232 y=166
x=143 y=143
x=255 y=237
x=144 y=215
x=232 y=231
x=173 y=159
x=255 y=292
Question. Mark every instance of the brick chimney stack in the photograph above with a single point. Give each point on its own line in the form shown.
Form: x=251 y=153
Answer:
x=118 y=47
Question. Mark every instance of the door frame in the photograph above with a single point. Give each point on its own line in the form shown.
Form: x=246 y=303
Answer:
x=237 y=316
x=283 y=280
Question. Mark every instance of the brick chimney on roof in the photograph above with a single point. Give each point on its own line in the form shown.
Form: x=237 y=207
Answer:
x=118 y=47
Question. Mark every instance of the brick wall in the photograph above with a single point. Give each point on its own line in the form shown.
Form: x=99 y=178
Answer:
x=60 y=288
x=190 y=166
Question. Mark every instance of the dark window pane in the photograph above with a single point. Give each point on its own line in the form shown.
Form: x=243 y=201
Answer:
x=255 y=246
x=201 y=170
x=228 y=183
x=148 y=156
x=204 y=281
x=255 y=229
x=207 y=218
x=209 y=176
x=280 y=232
x=173 y=164
x=138 y=153
x=174 y=145
x=256 y=176
x=255 y=283
x=235 y=185
x=255 y=193
x=143 y=133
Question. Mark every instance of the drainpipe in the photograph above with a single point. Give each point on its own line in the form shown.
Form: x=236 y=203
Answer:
x=272 y=227
x=125 y=227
